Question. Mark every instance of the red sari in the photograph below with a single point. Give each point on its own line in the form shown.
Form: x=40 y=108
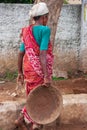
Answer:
x=33 y=75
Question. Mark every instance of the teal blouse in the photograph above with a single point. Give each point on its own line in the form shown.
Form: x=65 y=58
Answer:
x=42 y=35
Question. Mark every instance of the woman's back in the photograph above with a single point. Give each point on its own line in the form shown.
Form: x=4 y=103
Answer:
x=42 y=36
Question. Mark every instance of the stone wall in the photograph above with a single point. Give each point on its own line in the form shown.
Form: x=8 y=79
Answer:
x=67 y=40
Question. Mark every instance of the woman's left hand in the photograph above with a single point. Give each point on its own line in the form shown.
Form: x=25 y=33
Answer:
x=20 y=79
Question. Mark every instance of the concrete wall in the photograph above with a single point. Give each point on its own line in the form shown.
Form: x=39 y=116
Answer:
x=12 y=18
x=83 y=51
x=67 y=40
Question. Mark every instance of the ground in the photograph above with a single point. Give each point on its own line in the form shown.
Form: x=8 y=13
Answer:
x=72 y=127
x=74 y=1
x=10 y=91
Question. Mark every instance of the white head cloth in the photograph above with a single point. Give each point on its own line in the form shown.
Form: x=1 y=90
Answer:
x=38 y=9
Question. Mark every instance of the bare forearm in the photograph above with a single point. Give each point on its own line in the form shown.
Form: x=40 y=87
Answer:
x=44 y=63
x=20 y=62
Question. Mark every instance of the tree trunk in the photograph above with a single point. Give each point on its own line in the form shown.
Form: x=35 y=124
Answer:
x=54 y=13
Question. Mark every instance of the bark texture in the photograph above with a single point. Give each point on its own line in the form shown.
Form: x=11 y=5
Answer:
x=54 y=9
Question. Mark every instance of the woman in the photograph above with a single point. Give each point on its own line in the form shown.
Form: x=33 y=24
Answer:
x=36 y=56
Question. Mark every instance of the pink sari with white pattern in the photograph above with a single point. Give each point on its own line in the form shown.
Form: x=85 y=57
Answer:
x=33 y=74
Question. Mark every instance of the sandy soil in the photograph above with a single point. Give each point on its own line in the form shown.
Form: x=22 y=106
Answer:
x=71 y=86
x=72 y=127
x=9 y=91
x=74 y=1
x=65 y=127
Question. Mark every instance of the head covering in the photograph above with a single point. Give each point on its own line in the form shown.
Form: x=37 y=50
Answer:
x=38 y=9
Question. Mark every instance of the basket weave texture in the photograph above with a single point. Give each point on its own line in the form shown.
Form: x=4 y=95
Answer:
x=44 y=104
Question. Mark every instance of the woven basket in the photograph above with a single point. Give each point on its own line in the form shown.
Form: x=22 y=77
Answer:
x=44 y=104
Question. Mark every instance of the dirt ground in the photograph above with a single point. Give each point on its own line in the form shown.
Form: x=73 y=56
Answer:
x=66 y=127
x=72 y=127
x=9 y=90
x=74 y=1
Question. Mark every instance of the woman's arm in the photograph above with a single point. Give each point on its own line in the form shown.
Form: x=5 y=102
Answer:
x=43 y=52
x=20 y=62
x=20 y=77
x=43 y=61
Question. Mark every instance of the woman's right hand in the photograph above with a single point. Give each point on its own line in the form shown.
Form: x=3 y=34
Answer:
x=46 y=82
x=20 y=78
